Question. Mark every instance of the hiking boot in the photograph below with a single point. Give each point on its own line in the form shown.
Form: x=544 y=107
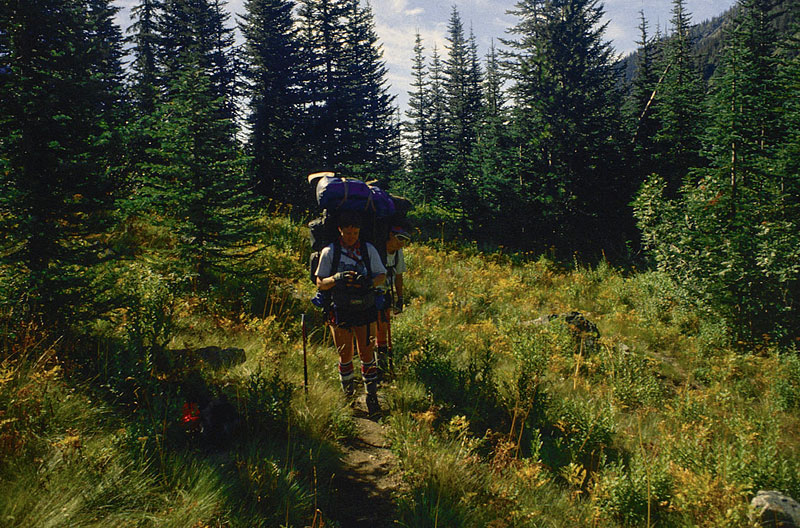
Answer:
x=349 y=389
x=373 y=407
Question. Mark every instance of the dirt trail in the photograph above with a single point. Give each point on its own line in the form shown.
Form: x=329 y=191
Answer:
x=365 y=486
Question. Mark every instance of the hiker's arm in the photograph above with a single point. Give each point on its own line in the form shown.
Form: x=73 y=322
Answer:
x=378 y=280
x=329 y=282
x=398 y=284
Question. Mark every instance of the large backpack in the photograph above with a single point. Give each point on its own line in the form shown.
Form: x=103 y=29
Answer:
x=379 y=212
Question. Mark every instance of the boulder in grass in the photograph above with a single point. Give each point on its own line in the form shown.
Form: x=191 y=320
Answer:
x=774 y=510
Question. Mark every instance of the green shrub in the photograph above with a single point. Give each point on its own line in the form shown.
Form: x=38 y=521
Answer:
x=636 y=495
x=787 y=384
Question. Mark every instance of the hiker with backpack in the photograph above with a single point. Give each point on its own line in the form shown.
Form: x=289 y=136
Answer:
x=393 y=292
x=349 y=270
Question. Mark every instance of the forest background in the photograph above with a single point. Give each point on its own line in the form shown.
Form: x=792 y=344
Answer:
x=125 y=185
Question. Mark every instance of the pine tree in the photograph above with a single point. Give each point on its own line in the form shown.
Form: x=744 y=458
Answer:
x=197 y=184
x=322 y=33
x=193 y=179
x=644 y=87
x=732 y=246
x=496 y=185
x=679 y=104
x=273 y=76
x=417 y=132
x=567 y=122
x=462 y=76
x=369 y=133
x=351 y=113
x=144 y=48
x=437 y=146
x=58 y=112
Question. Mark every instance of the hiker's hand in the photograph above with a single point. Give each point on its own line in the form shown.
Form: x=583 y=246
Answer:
x=398 y=305
x=341 y=276
x=364 y=281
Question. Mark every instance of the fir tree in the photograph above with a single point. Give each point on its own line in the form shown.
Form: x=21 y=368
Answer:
x=437 y=146
x=273 y=75
x=193 y=177
x=144 y=48
x=462 y=76
x=728 y=238
x=644 y=87
x=496 y=185
x=567 y=122
x=417 y=127
x=369 y=133
x=321 y=43
x=61 y=70
x=679 y=104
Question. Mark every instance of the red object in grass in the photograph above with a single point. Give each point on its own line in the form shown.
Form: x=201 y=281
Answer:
x=191 y=413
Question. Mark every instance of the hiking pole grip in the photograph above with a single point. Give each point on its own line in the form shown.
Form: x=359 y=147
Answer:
x=305 y=361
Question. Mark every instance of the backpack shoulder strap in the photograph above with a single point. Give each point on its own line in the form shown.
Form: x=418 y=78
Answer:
x=337 y=256
x=366 y=259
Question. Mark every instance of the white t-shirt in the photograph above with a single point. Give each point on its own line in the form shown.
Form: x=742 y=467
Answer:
x=397 y=261
x=349 y=261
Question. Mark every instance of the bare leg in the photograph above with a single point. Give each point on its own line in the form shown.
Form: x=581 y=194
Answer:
x=343 y=340
x=365 y=338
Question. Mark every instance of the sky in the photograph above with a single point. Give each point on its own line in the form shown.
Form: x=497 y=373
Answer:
x=398 y=21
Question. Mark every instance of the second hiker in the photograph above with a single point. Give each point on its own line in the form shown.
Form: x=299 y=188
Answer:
x=393 y=288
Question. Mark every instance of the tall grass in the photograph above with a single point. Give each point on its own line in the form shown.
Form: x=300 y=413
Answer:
x=663 y=423
x=498 y=416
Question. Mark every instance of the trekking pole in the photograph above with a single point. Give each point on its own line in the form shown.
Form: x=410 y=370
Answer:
x=305 y=361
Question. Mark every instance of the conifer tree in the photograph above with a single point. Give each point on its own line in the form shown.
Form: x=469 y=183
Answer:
x=679 y=104
x=639 y=106
x=59 y=97
x=729 y=239
x=462 y=76
x=144 y=48
x=198 y=181
x=273 y=75
x=437 y=146
x=321 y=43
x=567 y=121
x=417 y=132
x=496 y=184
x=193 y=179
x=369 y=134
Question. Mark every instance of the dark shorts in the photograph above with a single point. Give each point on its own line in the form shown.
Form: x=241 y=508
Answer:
x=347 y=319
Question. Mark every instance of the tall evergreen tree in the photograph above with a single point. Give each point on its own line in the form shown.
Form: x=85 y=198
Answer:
x=567 y=120
x=679 y=103
x=437 y=146
x=730 y=245
x=193 y=34
x=193 y=179
x=273 y=75
x=369 y=133
x=351 y=112
x=639 y=105
x=463 y=97
x=59 y=96
x=322 y=41
x=144 y=48
x=417 y=132
x=496 y=185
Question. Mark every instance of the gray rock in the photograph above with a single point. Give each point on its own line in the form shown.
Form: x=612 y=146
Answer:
x=775 y=510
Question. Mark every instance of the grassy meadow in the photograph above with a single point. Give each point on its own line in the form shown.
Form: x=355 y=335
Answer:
x=497 y=418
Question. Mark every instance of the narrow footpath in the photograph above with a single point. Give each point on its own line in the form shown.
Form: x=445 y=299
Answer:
x=367 y=483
